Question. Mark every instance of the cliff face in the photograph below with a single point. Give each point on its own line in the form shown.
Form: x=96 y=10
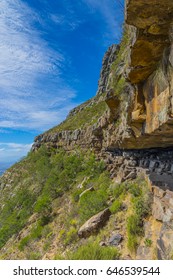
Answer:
x=150 y=69
x=107 y=62
x=136 y=83
x=128 y=125
x=148 y=120
x=152 y=21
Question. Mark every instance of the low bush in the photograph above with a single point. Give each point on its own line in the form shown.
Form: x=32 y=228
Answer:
x=134 y=230
x=34 y=256
x=93 y=251
x=141 y=201
x=116 y=206
x=43 y=205
x=15 y=214
x=88 y=116
x=91 y=203
x=148 y=242
x=24 y=242
x=36 y=232
x=70 y=236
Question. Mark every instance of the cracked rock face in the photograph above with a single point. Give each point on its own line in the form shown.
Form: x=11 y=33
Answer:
x=165 y=242
x=107 y=61
x=152 y=34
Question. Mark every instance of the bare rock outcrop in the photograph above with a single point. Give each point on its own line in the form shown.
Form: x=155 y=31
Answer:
x=151 y=36
x=162 y=205
x=165 y=242
x=107 y=61
x=94 y=223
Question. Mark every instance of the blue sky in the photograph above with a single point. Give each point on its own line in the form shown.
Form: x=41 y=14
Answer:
x=50 y=60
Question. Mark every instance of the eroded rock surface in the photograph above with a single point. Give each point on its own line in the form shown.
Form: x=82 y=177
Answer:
x=165 y=242
x=94 y=223
x=107 y=61
x=151 y=37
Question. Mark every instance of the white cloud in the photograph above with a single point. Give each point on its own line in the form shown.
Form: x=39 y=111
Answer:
x=22 y=52
x=29 y=72
x=13 y=151
x=16 y=145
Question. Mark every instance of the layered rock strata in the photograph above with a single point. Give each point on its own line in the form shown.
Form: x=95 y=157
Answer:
x=107 y=62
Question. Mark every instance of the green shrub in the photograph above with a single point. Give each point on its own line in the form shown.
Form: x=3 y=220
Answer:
x=91 y=203
x=142 y=207
x=119 y=190
x=15 y=213
x=24 y=242
x=34 y=256
x=134 y=225
x=76 y=194
x=134 y=230
x=116 y=206
x=88 y=116
x=148 y=242
x=93 y=251
x=59 y=256
x=132 y=242
x=119 y=85
x=141 y=201
x=135 y=189
x=51 y=187
x=70 y=236
x=92 y=167
x=36 y=232
x=43 y=205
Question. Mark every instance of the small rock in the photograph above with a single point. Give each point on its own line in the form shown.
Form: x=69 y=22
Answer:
x=130 y=176
x=115 y=240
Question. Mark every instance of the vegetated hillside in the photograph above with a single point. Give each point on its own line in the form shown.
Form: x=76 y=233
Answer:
x=99 y=185
x=51 y=194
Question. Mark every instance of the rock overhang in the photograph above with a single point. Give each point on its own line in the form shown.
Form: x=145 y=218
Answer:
x=152 y=20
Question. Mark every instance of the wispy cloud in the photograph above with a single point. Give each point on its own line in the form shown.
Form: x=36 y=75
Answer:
x=30 y=72
x=70 y=23
x=15 y=146
x=108 y=10
x=22 y=52
x=13 y=151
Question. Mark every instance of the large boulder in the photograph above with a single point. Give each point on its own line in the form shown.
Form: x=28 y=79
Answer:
x=94 y=223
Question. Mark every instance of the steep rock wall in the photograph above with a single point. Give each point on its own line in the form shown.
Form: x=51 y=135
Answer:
x=138 y=91
x=107 y=61
x=148 y=111
x=152 y=20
